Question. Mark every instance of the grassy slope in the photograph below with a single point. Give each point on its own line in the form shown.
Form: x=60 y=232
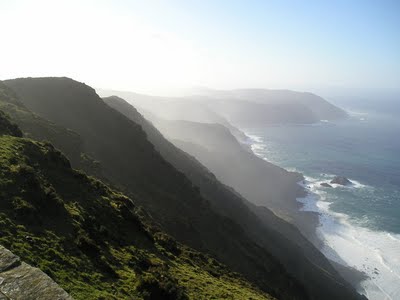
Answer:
x=131 y=162
x=7 y=127
x=93 y=240
x=41 y=129
x=38 y=128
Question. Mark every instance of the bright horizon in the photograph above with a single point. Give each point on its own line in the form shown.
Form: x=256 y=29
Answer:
x=156 y=46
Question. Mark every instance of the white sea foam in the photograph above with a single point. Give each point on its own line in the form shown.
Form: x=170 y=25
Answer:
x=256 y=144
x=254 y=138
x=375 y=253
x=356 y=114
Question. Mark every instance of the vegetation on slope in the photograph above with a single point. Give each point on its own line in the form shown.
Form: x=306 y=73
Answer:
x=130 y=162
x=7 y=127
x=92 y=240
x=41 y=129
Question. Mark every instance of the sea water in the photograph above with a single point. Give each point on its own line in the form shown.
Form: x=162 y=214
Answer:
x=360 y=223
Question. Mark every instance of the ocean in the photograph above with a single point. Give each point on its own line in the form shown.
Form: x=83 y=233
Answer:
x=360 y=223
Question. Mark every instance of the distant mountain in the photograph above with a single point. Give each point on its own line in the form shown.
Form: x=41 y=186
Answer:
x=244 y=107
x=280 y=238
x=130 y=162
x=92 y=240
x=263 y=106
x=256 y=179
x=179 y=108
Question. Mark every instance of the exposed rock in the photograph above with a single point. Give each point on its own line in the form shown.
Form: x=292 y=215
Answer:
x=341 y=180
x=324 y=184
x=8 y=260
x=19 y=280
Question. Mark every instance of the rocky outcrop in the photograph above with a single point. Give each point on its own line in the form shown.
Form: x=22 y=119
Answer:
x=324 y=184
x=341 y=180
x=19 y=280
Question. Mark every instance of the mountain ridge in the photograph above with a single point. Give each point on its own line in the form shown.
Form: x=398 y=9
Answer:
x=245 y=107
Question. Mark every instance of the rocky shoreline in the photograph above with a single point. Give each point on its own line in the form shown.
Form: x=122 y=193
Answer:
x=309 y=221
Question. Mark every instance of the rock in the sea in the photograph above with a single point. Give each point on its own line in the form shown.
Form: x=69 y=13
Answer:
x=324 y=184
x=341 y=180
x=19 y=280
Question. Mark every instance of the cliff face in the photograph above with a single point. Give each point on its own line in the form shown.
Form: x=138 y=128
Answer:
x=19 y=280
x=181 y=195
x=257 y=107
x=35 y=127
x=218 y=149
x=259 y=181
x=90 y=239
x=38 y=128
x=131 y=163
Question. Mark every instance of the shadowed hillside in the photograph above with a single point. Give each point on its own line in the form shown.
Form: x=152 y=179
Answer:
x=90 y=239
x=280 y=238
x=41 y=129
x=130 y=161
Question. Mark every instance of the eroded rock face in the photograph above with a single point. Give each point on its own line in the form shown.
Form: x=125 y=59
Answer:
x=19 y=280
x=341 y=180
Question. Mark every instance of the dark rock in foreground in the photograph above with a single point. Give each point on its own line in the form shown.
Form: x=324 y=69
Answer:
x=19 y=280
x=324 y=184
x=341 y=180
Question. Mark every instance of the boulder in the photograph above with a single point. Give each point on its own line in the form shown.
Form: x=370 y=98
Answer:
x=341 y=180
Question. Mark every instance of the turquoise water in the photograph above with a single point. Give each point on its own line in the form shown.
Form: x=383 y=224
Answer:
x=359 y=224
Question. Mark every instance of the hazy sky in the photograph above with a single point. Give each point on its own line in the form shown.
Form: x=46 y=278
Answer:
x=149 y=45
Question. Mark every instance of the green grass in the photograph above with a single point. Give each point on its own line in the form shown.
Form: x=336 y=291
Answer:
x=40 y=129
x=93 y=240
x=132 y=164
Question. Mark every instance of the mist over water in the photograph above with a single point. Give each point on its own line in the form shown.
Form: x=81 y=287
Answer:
x=360 y=224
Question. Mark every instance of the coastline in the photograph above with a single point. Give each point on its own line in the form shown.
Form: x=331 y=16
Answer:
x=309 y=203
x=301 y=211
x=371 y=253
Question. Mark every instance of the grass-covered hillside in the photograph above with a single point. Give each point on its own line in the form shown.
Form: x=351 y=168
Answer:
x=92 y=240
x=7 y=127
x=133 y=164
x=35 y=127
